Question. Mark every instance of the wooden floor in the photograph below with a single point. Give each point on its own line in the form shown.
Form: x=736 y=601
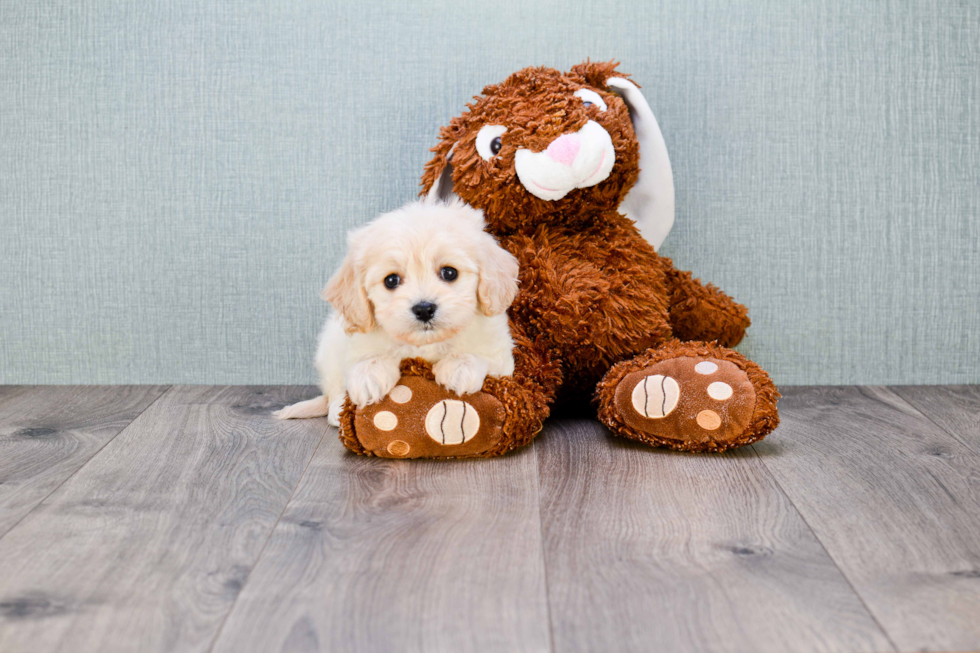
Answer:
x=186 y=519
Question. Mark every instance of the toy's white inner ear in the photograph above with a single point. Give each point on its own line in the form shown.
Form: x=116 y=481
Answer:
x=442 y=188
x=650 y=203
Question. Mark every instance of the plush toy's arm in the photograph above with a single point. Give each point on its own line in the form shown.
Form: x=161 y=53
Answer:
x=703 y=312
x=559 y=295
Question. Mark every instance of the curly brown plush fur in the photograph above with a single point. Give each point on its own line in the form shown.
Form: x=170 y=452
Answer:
x=596 y=301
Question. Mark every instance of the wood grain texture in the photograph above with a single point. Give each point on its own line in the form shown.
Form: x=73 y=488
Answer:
x=648 y=550
x=896 y=502
x=955 y=408
x=147 y=546
x=393 y=555
x=48 y=432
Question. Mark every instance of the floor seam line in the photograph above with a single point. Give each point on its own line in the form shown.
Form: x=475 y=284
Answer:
x=942 y=428
x=83 y=465
x=867 y=608
x=265 y=545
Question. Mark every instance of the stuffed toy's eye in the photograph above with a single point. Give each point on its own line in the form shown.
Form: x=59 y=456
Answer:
x=392 y=281
x=488 y=140
x=590 y=98
x=448 y=274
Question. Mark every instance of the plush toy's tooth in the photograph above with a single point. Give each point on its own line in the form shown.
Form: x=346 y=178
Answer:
x=656 y=396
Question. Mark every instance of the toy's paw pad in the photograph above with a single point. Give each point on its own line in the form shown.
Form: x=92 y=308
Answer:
x=688 y=399
x=421 y=419
x=452 y=421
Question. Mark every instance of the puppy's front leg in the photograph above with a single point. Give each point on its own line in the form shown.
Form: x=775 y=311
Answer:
x=462 y=373
x=371 y=379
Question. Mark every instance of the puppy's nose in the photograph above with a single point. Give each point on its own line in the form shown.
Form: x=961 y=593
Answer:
x=424 y=311
x=564 y=149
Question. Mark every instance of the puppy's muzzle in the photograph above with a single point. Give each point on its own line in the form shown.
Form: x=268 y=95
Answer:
x=424 y=311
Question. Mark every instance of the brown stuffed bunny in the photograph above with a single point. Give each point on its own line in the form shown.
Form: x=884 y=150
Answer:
x=552 y=159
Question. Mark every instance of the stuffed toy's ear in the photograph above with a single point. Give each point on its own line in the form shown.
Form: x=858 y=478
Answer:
x=346 y=292
x=650 y=203
x=437 y=179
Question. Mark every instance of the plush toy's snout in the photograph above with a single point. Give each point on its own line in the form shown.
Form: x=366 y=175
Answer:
x=577 y=160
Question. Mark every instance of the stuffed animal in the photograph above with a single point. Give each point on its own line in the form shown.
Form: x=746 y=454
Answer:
x=573 y=176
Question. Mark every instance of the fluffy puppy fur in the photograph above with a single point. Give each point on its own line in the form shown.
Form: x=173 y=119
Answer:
x=425 y=281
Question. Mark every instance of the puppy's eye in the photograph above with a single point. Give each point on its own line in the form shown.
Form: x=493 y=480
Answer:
x=448 y=274
x=488 y=141
x=392 y=281
x=590 y=98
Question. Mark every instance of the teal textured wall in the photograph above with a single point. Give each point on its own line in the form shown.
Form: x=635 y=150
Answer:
x=176 y=177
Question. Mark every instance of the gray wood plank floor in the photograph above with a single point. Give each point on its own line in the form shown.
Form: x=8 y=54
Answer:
x=186 y=519
x=896 y=501
x=48 y=433
x=650 y=550
x=146 y=546
x=409 y=555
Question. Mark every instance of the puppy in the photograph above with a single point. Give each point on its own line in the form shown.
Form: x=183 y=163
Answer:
x=425 y=281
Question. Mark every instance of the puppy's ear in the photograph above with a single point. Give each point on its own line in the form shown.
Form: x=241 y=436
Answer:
x=498 y=277
x=346 y=292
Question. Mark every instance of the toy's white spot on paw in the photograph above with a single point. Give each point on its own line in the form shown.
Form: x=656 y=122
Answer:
x=708 y=420
x=719 y=391
x=385 y=420
x=706 y=367
x=452 y=421
x=656 y=396
x=400 y=394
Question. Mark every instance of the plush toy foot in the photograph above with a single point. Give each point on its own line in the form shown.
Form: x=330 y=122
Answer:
x=421 y=419
x=689 y=396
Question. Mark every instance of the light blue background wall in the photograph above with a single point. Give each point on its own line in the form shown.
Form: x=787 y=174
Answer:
x=176 y=177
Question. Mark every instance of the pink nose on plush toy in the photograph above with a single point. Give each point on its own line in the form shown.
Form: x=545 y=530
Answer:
x=564 y=148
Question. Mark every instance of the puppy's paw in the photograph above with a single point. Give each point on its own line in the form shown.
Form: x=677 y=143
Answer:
x=333 y=415
x=371 y=380
x=461 y=373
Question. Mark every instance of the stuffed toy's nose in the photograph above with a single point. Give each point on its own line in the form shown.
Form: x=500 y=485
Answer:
x=564 y=148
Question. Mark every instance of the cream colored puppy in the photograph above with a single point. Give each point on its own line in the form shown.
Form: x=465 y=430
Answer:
x=424 y=281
